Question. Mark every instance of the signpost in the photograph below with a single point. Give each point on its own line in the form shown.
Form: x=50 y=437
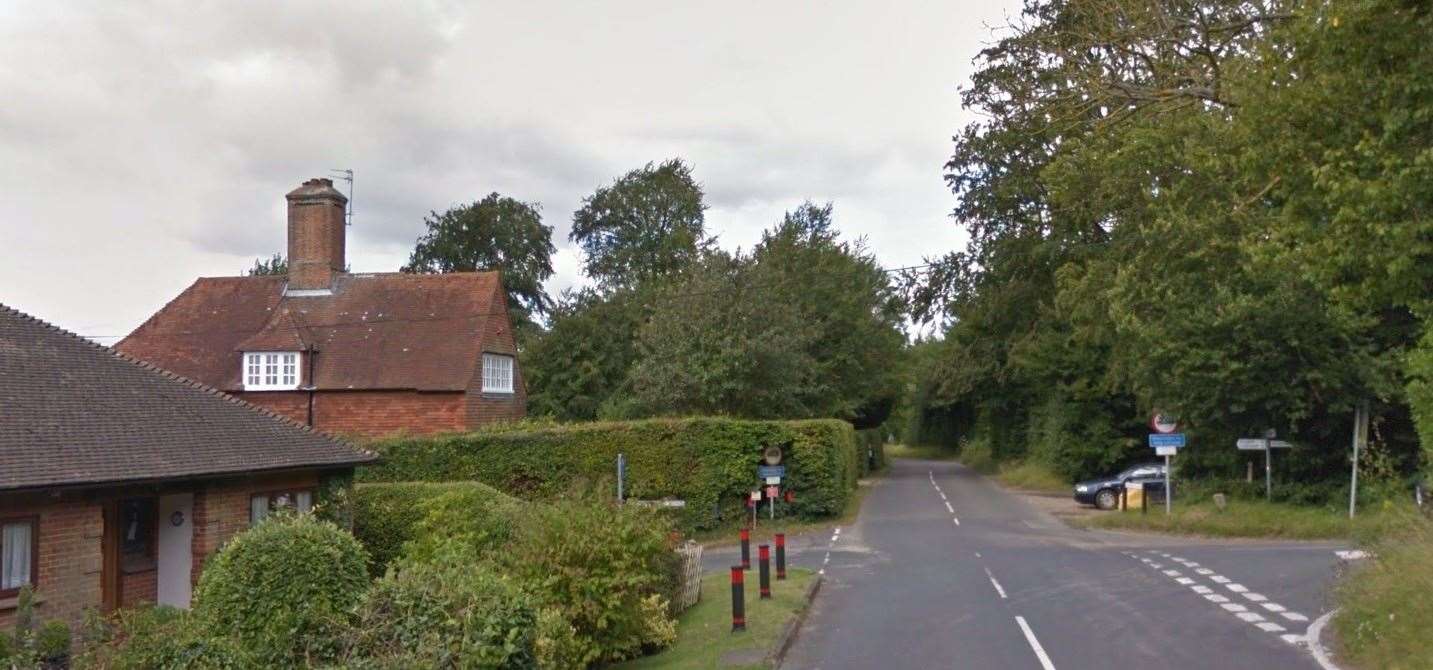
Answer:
x=771 y=474
x=1360 y=437
x=1266 y=444
x=1166 y=443
x=621 y=475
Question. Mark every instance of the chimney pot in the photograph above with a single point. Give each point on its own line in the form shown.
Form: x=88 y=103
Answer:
x=316 y=234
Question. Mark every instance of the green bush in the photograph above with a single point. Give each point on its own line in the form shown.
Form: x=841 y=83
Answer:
x=52 y=641
x=160 y=638
x=283 y=587
x=418 y=517
x=709 y=462
x=556 y=646
x=605 y=568
x=444 y=613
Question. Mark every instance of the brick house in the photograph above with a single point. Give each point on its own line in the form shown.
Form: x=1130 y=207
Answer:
x=364 y=354
x=118 y=479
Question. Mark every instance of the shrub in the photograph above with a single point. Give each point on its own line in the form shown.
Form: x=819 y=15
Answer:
x=601 y=566
x=418 y=517
x=52 y=642
x=709 y=462
x=283 y=587
x=160 y=638
x=444 y=613
x=556 y=646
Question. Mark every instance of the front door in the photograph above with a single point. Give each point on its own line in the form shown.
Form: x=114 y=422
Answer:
x=176 y=548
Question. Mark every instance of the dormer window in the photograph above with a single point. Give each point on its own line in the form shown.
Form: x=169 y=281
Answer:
x=497 y=373
x=271 y=370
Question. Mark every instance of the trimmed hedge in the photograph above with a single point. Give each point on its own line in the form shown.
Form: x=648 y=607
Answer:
x=709 y=462
x=388 y=516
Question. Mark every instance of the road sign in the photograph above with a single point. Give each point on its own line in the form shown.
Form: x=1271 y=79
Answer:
x=1258 y=443
x=764 y=471
x=772 y=455
x=772 y=492
x=1166 y=451
x=773 y=480
x=756 y=495
x=1169 y=440
x=1163 y=423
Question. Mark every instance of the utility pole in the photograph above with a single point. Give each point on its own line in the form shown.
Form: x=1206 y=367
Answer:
x=1269 y=436
x=1360 y=439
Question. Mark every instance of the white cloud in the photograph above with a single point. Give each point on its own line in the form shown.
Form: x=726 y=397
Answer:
x=145 y=144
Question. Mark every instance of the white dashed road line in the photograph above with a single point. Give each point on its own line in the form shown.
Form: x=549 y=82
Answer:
x=1035 y=644
x=1237 y=609
x=996 y=584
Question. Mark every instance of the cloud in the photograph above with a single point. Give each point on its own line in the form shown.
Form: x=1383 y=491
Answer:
x=148 y=143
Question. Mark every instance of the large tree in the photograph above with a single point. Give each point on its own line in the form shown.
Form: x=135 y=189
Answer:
x=647 y=224
x=495 y=233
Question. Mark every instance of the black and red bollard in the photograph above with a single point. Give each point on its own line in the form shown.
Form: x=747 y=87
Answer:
x=764 y=556
x=781 y=555
x=746 y=549
x=738 y=599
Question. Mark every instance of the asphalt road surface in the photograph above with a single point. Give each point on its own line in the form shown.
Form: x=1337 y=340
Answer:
x=942 y=569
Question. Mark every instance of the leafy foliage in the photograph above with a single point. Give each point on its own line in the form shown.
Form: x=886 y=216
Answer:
x=283 y=588
x=1163 y=214
x=708 y=463
x=418 y=518
x=608 y=569
x=275 y=265
x=649 y=223
x=159 y=637
x=495 y=233
x=443 y=613
x=581 y=361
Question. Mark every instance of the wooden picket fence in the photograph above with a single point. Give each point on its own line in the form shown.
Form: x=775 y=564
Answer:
x=691 y=554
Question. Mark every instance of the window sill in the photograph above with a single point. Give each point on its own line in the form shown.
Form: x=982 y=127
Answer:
x=499 y=395
x=13 y=602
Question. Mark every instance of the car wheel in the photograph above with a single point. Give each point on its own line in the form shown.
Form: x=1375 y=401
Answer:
x=1107 y=499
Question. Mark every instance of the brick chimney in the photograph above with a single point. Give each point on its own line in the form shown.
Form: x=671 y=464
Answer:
x=316 y=232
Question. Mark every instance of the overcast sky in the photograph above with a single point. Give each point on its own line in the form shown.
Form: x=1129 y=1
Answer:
x=145 y=144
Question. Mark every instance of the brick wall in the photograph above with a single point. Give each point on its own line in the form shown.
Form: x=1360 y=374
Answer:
x=70 y=557
x=71 y=540
x=369 y=413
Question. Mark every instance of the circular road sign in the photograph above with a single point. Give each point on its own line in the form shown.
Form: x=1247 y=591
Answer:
x=1163 y=423
x=772 y=456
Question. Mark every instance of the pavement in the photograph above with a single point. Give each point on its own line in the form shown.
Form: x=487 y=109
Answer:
x=943 y=569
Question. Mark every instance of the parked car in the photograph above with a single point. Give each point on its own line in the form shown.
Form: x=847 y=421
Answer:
x=1105 y=493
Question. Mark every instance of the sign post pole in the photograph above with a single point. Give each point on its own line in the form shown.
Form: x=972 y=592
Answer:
x=1168 y=487
x=1360 y=433
x=1268 y=470
x=621 y=474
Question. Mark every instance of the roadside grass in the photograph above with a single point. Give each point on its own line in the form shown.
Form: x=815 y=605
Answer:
x=1242 y=518
x=726 y=535
x=704 y=631
x=925 y=452
x=1030 y=475
x=1384 y=601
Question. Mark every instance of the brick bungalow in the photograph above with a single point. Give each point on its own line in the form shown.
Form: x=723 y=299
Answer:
x=118 y=479
x=364 y=354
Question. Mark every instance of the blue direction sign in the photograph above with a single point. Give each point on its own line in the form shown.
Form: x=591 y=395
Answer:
x=764 y=471
x=1158 y=440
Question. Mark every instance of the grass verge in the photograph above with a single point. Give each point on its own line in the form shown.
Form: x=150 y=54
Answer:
x=766 y=528
x=1242 y=518
x=1384 y=604
x=1031 y=476
x=704 y=632
x=925 y=452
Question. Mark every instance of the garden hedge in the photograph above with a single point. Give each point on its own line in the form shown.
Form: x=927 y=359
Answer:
x=386 y=516
x=708 y=462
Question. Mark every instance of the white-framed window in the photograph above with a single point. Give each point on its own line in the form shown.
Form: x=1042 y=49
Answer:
x=17 y=554
x=497 y=373
x=261 y=504
x=271 y=370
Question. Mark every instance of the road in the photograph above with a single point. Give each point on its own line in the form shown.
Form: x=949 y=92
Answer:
x=942 y=569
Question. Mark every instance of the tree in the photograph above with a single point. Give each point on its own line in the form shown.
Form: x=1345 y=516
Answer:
x=495 y=233
x=807 y=325
x=581 y=360
x=647 y=224
x=275 y=265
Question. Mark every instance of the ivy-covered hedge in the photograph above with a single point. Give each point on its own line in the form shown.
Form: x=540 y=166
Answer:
x=388 y=516
x=708 y=462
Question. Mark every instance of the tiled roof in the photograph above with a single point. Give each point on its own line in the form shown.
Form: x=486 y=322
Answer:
x=73 y=412
x=372 y=331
